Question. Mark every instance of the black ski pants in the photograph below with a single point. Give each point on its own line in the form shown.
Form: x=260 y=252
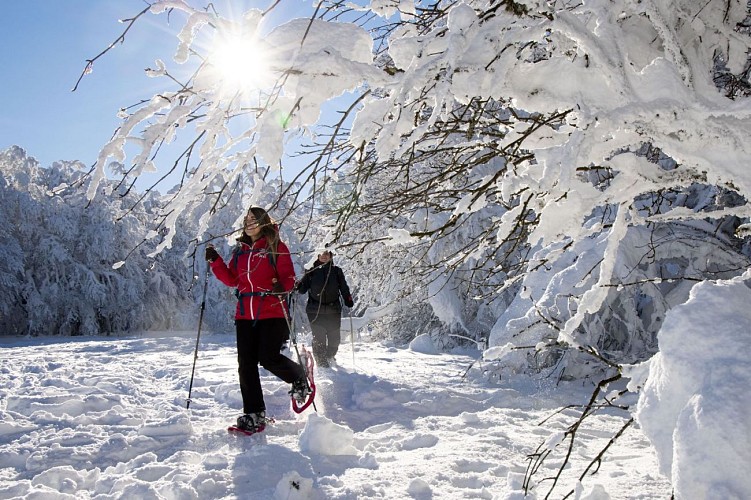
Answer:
x=260 y=342
x=327 y=335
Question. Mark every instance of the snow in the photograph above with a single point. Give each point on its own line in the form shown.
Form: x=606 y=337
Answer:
x=106 y=418
x=423 y=344
x=694 y=406
x=399 y=237
x=103 y=417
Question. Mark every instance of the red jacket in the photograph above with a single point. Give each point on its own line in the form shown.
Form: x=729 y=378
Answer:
x=251 y=271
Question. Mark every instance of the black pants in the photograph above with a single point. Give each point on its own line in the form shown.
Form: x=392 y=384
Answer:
x=326 y=334
x=260 y=341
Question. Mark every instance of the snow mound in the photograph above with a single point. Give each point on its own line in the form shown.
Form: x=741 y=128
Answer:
x=692 y=407
x=323 y=437
x=423 y=344
x=293 y=486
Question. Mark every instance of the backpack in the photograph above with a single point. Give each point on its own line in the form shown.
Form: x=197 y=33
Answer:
x=325 y=287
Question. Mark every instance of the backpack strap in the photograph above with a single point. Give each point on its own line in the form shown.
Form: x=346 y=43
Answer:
x=237 y=252
x=248 y=294
x=272 y=260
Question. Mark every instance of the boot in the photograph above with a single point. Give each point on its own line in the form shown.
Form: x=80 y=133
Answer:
x=300 y=390
x=252 y=421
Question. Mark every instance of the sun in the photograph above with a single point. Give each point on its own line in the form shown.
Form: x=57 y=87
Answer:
x=240 y=64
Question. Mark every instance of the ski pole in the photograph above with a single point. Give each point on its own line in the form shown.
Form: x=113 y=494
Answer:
x=293 y=337
x=291 y=302
x=352 y=338
x=351 y=332
x=198 y=337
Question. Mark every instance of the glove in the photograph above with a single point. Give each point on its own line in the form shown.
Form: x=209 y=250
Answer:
x=211 y=254
x=348 y=301
x=277 y=287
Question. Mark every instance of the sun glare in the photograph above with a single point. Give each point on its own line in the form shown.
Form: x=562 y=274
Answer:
x=240 y=64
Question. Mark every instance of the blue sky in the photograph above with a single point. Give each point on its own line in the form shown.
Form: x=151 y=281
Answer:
x=45 y=45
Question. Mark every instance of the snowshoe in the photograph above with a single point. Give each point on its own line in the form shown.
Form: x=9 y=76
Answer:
x=251 y=423
x=304 y=390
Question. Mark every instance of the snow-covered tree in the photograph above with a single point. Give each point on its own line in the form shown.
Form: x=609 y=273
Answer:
x=535 y=167
x=551 y=176
x=59 y=251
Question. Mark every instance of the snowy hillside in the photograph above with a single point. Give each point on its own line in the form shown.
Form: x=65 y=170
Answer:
x=106 y=418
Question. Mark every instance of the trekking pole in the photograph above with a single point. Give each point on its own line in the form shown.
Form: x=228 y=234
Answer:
x=198 y=337
x=291 y=302
x=293 y=337
x=351 y=337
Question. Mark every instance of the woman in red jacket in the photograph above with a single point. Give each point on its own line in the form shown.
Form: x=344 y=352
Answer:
x=262 y=271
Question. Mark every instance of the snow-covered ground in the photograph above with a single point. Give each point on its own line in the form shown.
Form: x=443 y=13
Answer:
x=106 y=418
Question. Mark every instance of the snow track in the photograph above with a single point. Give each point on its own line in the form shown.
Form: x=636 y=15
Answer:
x=106 y=418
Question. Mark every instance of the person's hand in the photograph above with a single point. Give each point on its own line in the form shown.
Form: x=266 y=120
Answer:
x=277 y=287
x=211 y=253
x=348 y=301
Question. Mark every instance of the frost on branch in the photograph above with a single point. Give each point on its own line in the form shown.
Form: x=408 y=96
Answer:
x=556 y=176
x=518 y=149
x=235 y=131
x=522 y=142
